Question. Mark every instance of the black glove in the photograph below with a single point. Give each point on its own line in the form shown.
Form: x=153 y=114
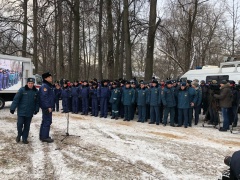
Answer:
x=12 y=111
x=35 y=112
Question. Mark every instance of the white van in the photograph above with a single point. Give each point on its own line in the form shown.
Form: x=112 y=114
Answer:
x=215 y=73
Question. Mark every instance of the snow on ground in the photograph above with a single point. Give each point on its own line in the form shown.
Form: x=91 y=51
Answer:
x=113 y=149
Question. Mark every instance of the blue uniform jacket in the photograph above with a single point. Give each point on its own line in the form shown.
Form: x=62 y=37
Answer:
x=142 y=96
x=46 y=93
x=93 y=93
x=115 y=96
x=26 y=101
x=57 y=93
x=103 y=92
x=75 y=91
x=66 y=92
x=192 y=95
x=168 y=97
x=183 y=99
x=198 y=96
x=154 y=97
x=84 y=92
x=128 y=96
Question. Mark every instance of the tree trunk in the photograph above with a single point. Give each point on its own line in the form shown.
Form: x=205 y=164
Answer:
x=70 y=75
x=128 y=69
x=150 y=41
x=24 y=44
x=55 y=64
x=60 y=41
x=121 y=56
x=35 y=35
x=100 y=75
x=75 y=72
x=110 y=60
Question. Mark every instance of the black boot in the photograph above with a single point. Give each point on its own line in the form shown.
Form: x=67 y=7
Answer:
x=18 y=139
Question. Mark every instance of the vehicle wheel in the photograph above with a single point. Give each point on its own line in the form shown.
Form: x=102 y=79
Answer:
x=2 y=103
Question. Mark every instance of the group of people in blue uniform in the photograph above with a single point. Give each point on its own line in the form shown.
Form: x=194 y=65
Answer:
x=123 y=99
x=8 y=78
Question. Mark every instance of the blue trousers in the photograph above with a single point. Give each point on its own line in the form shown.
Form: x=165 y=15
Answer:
x=46 y=123
x=115 y=109
x=65 y=104
x=154 y=114
x=127 y=112
x=168 y=110
x=142 y=113
x=56 y=104
x=23 y=126
x=197 y=110
x=103 y=107
x=225 y=114
x=190 y=116
x=85 y=105
x=183 y=117
x=75 y=104
x=94 y=107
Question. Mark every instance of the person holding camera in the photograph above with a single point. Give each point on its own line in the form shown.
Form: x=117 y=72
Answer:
x=27 y=103
x=225 y=102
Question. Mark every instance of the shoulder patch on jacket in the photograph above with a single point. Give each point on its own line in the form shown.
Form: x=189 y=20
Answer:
x=44 y=89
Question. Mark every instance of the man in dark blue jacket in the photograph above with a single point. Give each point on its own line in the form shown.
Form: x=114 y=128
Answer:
x=104 y=95
x=84 y=91
x=169 y=102
x=142 y=97
x=46 y=103
x=27 y=103
x=75 y=92
x=128 y=98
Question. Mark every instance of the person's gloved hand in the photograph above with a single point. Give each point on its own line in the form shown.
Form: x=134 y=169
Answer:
x=35 y=112
x=11 y=111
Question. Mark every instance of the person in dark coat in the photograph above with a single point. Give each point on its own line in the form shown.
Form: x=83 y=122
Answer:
x=169 y=103
x=154 y=100
x=27 y=103
x=235 y=104
x=128 y=99
x=234 y=163
x=57 y=95
x=225 y=102
x=46 y=93
x=183 y=105
x=84 y=91
x=142 y=98
x=65 y=96
x=75 y=92
x=115 y=100
x=205 y=96
x=104 y=95
x=193 y=100
x=198 y=104
x=93 y=94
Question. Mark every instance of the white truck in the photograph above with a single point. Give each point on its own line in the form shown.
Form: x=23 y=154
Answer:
x=231 y=72
x=14 y=72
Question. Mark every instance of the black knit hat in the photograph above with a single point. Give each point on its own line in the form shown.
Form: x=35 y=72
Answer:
x=46 y=75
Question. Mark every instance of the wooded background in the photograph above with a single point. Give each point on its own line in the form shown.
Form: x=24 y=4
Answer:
x=84 y=39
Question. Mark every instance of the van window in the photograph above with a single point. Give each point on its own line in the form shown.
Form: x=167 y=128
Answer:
x=217 y=78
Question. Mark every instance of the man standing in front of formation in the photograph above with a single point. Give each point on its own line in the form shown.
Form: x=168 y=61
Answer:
x=27 y=102
x=46 y=103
